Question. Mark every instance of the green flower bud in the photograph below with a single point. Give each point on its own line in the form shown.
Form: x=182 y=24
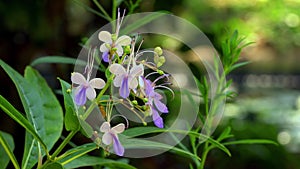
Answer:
x=145 y=100
x=114 y=49
x=114 y=37
x=134 y=102
x=144 y=123
x=160 y=72
x=127 y=49
x=158 y=50
x=107 y=45
x=69 y=90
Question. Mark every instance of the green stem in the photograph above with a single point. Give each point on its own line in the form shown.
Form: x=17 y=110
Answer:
x=204 y=156
x=102 y=10
x=114 y=13
x=9 y=152
x=64 y=143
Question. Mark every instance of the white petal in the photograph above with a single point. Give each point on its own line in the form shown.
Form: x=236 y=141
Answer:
x=103 y=48
x=137 y=71
x=118 y=128
x=78 y=78
x=118 y=80
x=105 y=127
x=97 y=83
x=107 y=138
x=119 y=50
x=123 y=40
x=105 y=36
x=90 y=93
x=117 y=69
x=133 y=83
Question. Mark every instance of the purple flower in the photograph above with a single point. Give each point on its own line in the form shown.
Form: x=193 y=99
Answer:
x=154 y=103
x=110 y=136
x=110 y=42
x=86 y=88
x=126 y=79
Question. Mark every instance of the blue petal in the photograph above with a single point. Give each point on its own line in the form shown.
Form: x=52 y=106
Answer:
x=160 y=106
x=158 y=121
x=80 y=96
x=105 y=56
x=118 y=148
x=124 y=89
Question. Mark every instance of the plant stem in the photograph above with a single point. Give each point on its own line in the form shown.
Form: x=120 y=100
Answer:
x=9 y=152
x=64 y=143
x=102 y=10
x=204 y=156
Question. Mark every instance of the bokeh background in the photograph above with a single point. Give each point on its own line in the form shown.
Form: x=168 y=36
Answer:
x=268 y=101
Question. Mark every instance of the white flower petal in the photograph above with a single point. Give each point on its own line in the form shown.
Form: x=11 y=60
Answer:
x=118 y=128
x=90 y=93
x=123 y=40
x=133 y=83
x=107 y=138
x=119 y=50
x=118 y=80
x=137 y=70
x=78 y=78
x=105 y=36
x=97 y=83
x=105 y=127
x=117 y=69
x=103 y=48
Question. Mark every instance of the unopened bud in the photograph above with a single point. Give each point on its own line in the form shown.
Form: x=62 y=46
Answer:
x=158 y=50
x=114 y=37
x=69 y=90
x=134 y=102
x=127 y=49
x=160 y=72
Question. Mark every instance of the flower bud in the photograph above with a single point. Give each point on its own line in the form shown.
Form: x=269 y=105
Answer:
x=127 y=49
x=160 y=72
x=69 y=90
x=114 y=37
x=158 y=50
x=134 y=102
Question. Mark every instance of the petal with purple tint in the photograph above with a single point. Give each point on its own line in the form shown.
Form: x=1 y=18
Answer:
x=119 y=50
x=118 y=80
x=137 y=70
x=160 y=106
x=97 y=83
x=80 y=96
x=148 y=87
x=124 y=89
x=105 y=36
x=90 y=93
x=133 y=83
x=118 y=148
x=117 y=69
x=105 y=127
x=118 y=128
x=158 y=121
x=103 y=48
x=107 y=138
x=78 y=78
x=105 y=56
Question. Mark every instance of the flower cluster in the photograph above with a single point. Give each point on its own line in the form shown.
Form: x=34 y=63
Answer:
x=128 y=74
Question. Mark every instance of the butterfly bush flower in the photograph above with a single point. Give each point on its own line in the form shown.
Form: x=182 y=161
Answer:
x=111 y=136
x=86 y=88
x=112 y=43
x=153 y=101
x=126 y=79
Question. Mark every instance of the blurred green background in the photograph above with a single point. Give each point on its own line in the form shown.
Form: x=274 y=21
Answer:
x=268 y=104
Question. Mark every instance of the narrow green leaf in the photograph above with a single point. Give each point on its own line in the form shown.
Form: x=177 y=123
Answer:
x=139 y=131
x=86 y=160
x=225 y=134
x=19 y=118
x=71 y=120
x=142 y=21
x=76 y=152
x=6 y=150
x=237 y=65
x=53 y=165
x=251 y=141
x=57 y=59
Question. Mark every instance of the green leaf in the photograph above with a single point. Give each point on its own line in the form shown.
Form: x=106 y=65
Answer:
x=142 y=21
x=139 y=131
x=251 y=141
x=6 y=150
x=93 y=161
x=53 y=165
x=76 y=152
x=57 y=59
x=237 y=65
x=19 y=118
x=71 y=120
x=42 y=109
x=225 y=134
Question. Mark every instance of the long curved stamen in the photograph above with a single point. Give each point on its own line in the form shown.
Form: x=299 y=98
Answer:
x=120 y=115
x=141 y=53
x=165 y=87
x=161 y=77
x=152 y=73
